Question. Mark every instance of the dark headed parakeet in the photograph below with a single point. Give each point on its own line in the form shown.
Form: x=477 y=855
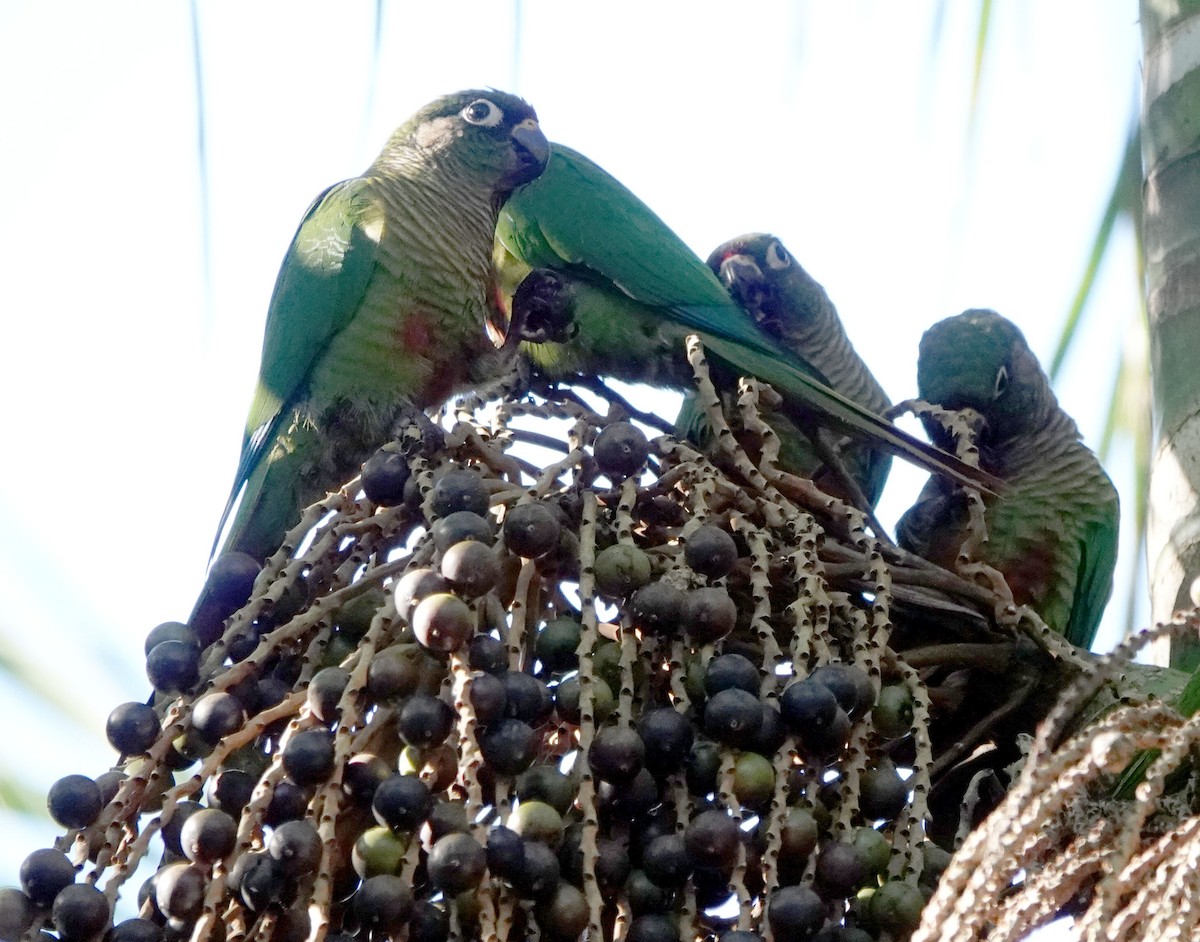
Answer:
x=634 y=291
x=381 y=305
x=1053 y=533
x=792 y=309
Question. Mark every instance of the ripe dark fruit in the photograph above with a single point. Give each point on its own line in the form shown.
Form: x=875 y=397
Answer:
x=668 y=737
x=488 y=698
x=509 y=746
x=733 y=716
x=505 y=853
x=646 y=896
x=456 y=863
x=795 y=912
x=711 y=552
x=172 y=831
x=528 y=699
x=459 y=489
x=621 y=449
x=708 y=614
x=827 y=741
x=487 y=654
x=712 y=840
x=653 y=928
x=132 y=728
x=179 y=892
x=170 y=631
x=216 y=715
x=308 y=756
x=702 y=767
x=415 y=585
x=565 y=914
x=325 y=690
x=556 y=644
x=208 y=835
x=297 y=847
x=427 y=923
x=460 y=526
x=80 y=912
x=849 y=684
x=620 y=569
x=443 y=622
x=666 y=861
x=288 y=802
x=882 y=793
x=74 y=801
x=616 y=754
x=771 y=732
x=383 y=903
x=539 y=879
x=654 y=609
x=730 y=670
x=43 y=873
x=840 y=869
x=259 y=880
x=16 y=913
x=471 y=567
x=227 y=588
x=402 y=802
x=425 y=721
x=173 y=666
x=807 y=706
x=384 y=475
x=392 y=673
x=531 y=530
x=134 y=930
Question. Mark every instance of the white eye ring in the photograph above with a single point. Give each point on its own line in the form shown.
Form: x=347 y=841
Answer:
x=1001 y=382
x=777 y=256
x=482 y=112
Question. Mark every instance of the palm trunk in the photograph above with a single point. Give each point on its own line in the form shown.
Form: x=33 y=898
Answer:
x=1171 y=160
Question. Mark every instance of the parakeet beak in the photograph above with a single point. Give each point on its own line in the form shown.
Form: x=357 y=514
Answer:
x=744 y=280
x=531 y=151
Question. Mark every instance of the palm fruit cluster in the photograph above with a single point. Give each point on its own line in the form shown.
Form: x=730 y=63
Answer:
x=631 y=693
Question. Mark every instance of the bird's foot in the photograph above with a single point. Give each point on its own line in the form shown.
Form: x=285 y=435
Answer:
x=543 y=308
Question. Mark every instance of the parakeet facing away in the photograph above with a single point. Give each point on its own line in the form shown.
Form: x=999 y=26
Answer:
x=380 y=306
x=792 y=308
x=1053 y=533
x=635 y=290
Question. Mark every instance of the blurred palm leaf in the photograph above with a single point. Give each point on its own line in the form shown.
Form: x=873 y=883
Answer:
x=1128 y=415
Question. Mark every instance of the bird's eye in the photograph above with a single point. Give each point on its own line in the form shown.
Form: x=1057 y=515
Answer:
x=777 y=256
x=483 y=112
x=1001 y=382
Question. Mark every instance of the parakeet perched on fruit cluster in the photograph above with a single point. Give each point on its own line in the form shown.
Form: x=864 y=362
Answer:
x=577 y=241
x=1053 y=532
x=792 y=308
x=381 y=305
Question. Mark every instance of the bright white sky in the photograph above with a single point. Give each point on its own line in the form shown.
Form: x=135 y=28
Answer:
x=840 y=127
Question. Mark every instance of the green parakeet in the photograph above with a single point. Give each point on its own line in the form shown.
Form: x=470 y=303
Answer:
x=792 y=308
x=381 y=305
x=635 y=290
x=1053 y=533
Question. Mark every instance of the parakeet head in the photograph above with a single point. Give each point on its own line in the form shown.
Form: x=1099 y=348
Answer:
x=489 y=134
x=980 y=360
x=763 y=278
